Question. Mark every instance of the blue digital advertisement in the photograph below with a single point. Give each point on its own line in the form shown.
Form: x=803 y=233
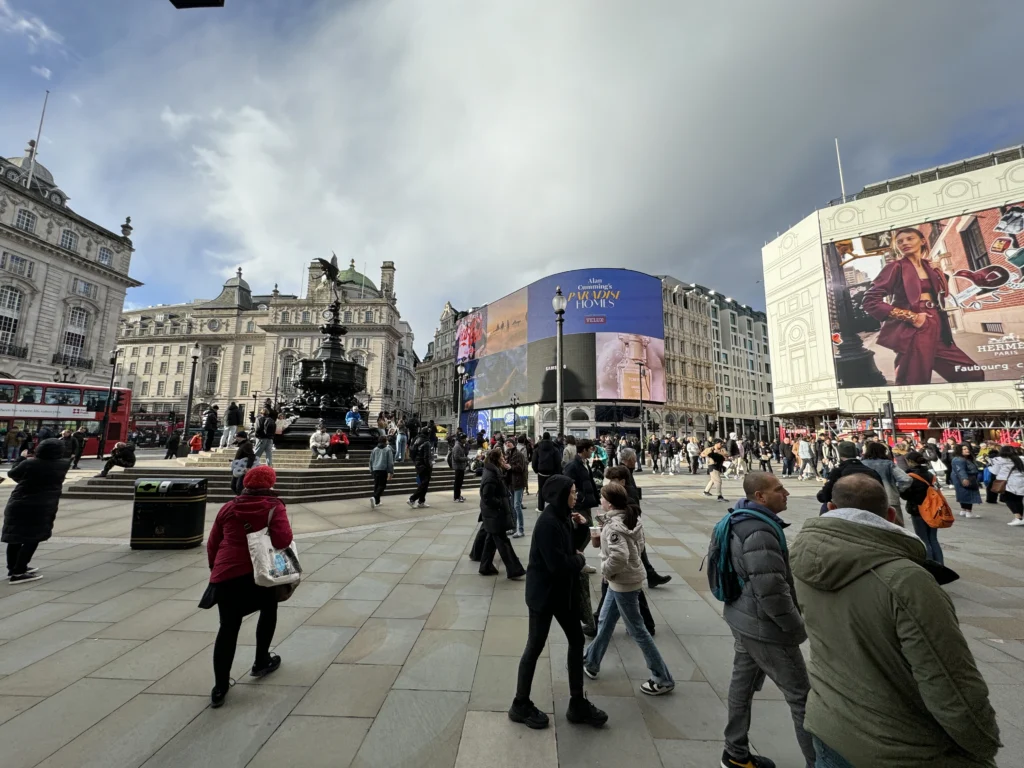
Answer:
x=614 y=347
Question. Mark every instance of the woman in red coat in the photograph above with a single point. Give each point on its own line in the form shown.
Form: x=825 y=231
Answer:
x=231 y=581
x=913 y=324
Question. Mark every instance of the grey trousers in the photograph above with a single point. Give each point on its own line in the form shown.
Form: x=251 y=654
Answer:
x=754 y=661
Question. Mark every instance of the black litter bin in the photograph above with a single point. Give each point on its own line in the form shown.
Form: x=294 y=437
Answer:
x=168 y=514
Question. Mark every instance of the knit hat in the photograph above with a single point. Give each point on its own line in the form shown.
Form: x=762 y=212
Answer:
x=847 y=450
x=260 y=478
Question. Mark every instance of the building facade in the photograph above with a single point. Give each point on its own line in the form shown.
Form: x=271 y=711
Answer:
x=247 y=345
x=839 y=305
x=435 y=375
x=63 y=280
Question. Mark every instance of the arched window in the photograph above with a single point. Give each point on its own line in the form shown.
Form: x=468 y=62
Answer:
x=578 y=415
x=74 y=336
x=670 y=420
x=551 y=415
x=10 y=313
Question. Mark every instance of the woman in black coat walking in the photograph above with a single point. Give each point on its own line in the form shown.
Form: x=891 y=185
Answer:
x=32 y=507
x=552 y=592
x=497 y=516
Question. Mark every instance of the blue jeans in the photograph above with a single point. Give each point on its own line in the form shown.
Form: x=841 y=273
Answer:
x=626 y=604
x=828 y=757
x=517 y=505
x=930 y=537
x=400 y=442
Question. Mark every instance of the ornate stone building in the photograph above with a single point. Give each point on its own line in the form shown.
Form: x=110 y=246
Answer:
x=248 y=344
x=435 y=376
x=62 y=280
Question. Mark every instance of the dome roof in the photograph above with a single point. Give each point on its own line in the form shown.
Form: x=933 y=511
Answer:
x=352 y=277
x=237 y=281
x=40 y=173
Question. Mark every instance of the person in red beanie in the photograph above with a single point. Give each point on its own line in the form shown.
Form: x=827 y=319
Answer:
x=232 y=586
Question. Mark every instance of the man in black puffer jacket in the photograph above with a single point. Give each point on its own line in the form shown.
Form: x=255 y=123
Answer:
x=547 y=461
x=123 y=455
x=848 y=464
x=32 y=507
x=552 y=592
x=423 y=460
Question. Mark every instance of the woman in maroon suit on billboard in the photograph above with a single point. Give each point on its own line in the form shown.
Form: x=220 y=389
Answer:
x=913 y=323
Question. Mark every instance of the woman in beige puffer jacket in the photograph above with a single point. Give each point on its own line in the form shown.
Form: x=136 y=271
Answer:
x=622 y=541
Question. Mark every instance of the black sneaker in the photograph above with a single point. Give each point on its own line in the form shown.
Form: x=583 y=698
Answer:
x=582 y=712
x=705 y=493
x=590 y=632
x=721 y=498
x=656 y=580
x=24 y=578
x=751 y=761
x=527 y=714
x=217 y=696
x=264 y=669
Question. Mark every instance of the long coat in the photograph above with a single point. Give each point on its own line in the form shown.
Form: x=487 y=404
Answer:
x=965 y=469
x=32 y=506
x=899 y=280
x=495 y=508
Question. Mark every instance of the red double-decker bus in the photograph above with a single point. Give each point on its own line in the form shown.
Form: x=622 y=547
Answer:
x=29 y=406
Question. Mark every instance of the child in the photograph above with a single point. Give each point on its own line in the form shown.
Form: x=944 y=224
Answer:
x=196 y=442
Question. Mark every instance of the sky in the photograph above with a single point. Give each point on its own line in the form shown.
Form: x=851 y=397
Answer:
x=480 y=144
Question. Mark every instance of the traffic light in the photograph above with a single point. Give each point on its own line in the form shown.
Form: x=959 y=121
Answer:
x=116 y=402
x=887 y=411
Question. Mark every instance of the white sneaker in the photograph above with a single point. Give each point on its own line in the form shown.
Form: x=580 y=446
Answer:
x=973 y=515
x=333 y=457
x=411 y=503
x=423 y=505
x=589 y=569
x=373 y=503
x=963 y=513
x=1016 y=521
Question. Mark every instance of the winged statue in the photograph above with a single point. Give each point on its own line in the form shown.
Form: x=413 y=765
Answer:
x=330 y=273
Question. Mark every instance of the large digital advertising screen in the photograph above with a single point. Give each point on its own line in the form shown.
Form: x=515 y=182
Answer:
x=613 y=346
x=938 y=301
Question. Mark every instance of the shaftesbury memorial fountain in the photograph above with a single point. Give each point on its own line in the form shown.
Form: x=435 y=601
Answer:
x=327 y=382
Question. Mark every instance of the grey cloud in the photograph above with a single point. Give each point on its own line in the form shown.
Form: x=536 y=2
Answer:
x=482 y=145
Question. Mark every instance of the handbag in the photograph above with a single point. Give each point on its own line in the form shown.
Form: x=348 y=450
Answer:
x=239 y=467
x=272 y=567
x=997 y=486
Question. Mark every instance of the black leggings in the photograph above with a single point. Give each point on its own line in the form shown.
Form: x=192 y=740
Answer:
x=380 y=483
x=766 y=465
x=540 y=625
x=236 y=599
x=19 y=556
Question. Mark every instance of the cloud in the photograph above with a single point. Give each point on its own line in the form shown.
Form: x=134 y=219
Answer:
x=43 y=72
x=482 y=145
x=33 y=28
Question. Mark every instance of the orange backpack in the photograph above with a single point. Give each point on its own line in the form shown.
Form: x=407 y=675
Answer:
x=934 y=510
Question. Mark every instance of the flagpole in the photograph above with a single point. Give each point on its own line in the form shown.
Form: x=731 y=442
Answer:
x=842 y=186
x=35 y=147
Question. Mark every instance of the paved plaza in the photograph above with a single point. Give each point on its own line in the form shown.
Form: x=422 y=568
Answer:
x=396 y=653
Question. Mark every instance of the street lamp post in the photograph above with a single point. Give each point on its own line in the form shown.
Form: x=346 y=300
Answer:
x=106 y=409
x=191 y=393
x=640 y=365
x=515 y=415
x=252 y=416
x=559 y=303
x=461 y=370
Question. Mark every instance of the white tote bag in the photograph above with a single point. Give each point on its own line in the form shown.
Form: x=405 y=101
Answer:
x=272 y=567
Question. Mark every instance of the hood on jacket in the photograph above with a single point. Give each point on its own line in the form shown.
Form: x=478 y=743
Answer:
x=50 y=450
x=556 y=493
x=839 y=547
x=616 y=523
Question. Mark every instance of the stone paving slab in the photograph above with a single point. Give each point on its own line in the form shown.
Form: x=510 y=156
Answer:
x=397 y=653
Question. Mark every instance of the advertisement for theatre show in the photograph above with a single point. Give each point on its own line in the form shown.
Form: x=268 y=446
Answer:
x=933 y=302
x=613 y=345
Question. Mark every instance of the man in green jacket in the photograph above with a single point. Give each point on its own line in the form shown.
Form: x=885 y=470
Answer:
x=893 y=681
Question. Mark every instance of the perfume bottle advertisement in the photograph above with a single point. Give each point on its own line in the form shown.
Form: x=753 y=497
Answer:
x=629 y=365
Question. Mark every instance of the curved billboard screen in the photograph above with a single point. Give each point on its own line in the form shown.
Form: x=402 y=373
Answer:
x=935 y=301
x=613 y=346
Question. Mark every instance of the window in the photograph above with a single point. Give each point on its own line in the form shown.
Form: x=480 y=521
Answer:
x=163 y=367
x=291 y=343
x=287 y=371
x=247 y=367
x=368 y=317
x=728 y=404
x=25 y=221
x=160 y=385
x=210 y=351
x=145 y=388
x=62 y=396
x=284 y=318
x=147 y=368
x=244 y=389
x=248 y=349
x=105 y=257
x=117 y=369
x=305 y=316
x=211 y=377
x=132 y=368
x=83 y=287
x=165 y=351
x=992 y=328
x=10 y=313
x=69 y=240
x=18 y=265
x=346 y=317
x=250 y=327
x=181 y=350
x=974 y=245
x=74 y=336
x=150 y=351
x=177 y=388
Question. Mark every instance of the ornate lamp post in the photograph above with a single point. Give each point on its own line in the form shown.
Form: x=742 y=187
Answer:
x=559 y=303
x=461 y=370
x=191 y=393
x=515 y=416
x=106 y=409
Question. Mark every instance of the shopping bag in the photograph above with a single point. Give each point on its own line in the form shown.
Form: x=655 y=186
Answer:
x=272 y=567
x=239 y=467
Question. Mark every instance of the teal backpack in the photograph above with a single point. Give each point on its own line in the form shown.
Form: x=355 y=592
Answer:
x=725 y=583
